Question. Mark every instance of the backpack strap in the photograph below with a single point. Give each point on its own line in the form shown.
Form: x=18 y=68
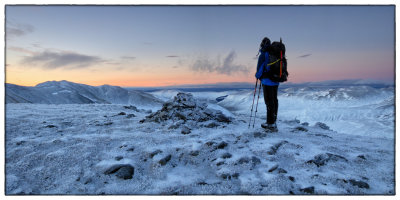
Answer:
x=280 y=70
x=269 y=64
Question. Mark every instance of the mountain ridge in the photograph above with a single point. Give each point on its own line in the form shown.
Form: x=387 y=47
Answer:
x=65 y=92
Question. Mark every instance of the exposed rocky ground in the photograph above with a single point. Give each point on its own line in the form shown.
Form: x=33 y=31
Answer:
x=184 y=148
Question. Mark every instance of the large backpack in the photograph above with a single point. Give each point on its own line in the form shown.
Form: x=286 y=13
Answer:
x=277 y=62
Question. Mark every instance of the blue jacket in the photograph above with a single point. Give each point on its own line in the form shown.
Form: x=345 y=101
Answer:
x=263 y=60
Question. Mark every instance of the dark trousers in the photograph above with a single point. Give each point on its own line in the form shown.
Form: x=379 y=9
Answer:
x=271 y=101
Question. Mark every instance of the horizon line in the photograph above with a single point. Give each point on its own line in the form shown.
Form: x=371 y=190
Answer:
x=219 y=83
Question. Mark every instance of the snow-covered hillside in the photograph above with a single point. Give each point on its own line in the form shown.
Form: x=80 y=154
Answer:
x=359 y=110
x=64 y=92
x=198 y=145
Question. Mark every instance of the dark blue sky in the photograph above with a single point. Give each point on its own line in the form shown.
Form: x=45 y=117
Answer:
x=341 y=42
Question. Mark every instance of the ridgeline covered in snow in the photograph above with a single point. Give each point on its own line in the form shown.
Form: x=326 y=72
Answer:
x=188 y=146
x=64 y=92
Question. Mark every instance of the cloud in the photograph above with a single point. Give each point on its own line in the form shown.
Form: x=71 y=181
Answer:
x=53 y=60
x=304 y=56
x=113 y=63
x=172 y=56
x=17 y=30
x=128 y=57
x=21 y=50
x=36 y=45
x=227 y=67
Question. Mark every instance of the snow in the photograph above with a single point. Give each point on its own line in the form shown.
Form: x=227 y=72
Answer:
x=66 y=148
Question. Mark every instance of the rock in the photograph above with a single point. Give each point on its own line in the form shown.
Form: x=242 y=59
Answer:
x=87 y=180
x=208 y=112
x=299 y=128
x=282 y=171
x=243 y=160
x=131 y=108
x=260 y=134
x=273 y=168
x=121 y=113
x=185 y=130
x=275 y=147
x=230 y=176
x=309 y=190
x=173 y=126
x=222 y=145
x=222 y=118
x=124 y=171
x=322 y=159
x=210 y=143
x=118 y=158
x=165 y=160
x=226 y=176
x=305 y=124
x=220 y=163
x=131 y=149
x=342 y=180
x=360 y=184
x=255 y=160
x=20 y=142
x=107 y=123
x=113 y=169
x=218 y=99
x=291 y=178
x=202 y=183
x=295 y=121
x=322 y=125
x=180 y=116
x=130 y=116
x=322 y=135
x=212 y=125
x=188 y=110
x=194 y=153
x=152 y=154
x=361 y=156
x=226 y=155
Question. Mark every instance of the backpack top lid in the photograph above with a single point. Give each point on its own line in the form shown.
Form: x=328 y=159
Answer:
x=276 y=48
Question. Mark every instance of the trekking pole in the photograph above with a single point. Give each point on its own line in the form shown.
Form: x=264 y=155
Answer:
x=259 y=90
x=254 y=96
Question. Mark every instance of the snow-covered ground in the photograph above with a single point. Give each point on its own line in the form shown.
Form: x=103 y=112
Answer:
x=110 y=149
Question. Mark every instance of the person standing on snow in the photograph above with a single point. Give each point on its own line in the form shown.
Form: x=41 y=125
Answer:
x=270 y=88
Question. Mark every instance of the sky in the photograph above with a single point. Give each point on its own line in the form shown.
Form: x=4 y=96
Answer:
x=150 y=46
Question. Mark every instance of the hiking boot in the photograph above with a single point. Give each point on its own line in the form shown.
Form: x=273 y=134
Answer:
x=264 y=125
x=270 y=127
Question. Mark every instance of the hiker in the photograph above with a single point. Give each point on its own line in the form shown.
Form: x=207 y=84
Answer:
x=270 y=88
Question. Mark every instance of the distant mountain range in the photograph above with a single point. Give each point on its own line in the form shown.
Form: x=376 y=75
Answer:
x=245 y=85
x=64 y=92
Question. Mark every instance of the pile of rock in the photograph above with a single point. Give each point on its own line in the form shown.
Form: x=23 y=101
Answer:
x=186 y=111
